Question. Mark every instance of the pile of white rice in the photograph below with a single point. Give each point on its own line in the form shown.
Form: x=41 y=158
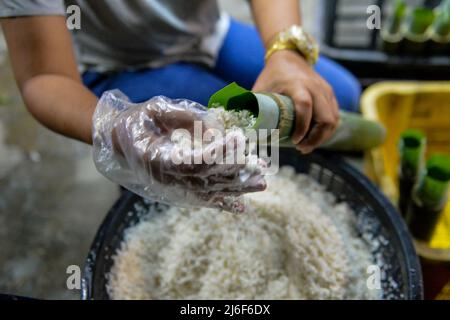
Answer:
x=294 y=242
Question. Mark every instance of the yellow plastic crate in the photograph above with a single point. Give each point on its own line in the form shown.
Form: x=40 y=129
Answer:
x=403 y=105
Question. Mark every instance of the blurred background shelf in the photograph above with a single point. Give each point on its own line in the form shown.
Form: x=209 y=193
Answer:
x=346 y=38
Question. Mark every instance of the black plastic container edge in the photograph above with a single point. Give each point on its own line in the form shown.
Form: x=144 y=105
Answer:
x=344 y=170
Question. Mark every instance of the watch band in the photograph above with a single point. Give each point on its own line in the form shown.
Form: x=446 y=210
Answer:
x=295 y=38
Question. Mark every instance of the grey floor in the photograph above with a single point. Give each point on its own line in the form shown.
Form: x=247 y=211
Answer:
x=52 y=200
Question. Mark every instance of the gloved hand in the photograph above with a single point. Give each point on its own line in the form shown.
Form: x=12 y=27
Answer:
x=135 y=146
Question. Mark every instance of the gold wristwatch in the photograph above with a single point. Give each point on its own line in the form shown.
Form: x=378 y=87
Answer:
x=297 y=39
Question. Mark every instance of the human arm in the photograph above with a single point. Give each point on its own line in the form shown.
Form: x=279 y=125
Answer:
x=45 y=69
x=132 y=143
x=288 y=72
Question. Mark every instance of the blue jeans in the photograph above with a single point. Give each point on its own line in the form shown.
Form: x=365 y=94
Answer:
x=240 y=59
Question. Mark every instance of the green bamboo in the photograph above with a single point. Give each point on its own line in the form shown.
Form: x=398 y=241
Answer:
x=412 y=147
x=412 y=152
x=440 y=33
x=392 y=35
x=441 y=26
x=430 y=198
x=275 y=111
x=396 y=20
x=433 y=189
x=444 y=6
x=418 y=22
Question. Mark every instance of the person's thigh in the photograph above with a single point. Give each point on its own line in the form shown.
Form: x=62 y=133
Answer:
x=241 y=59
x=176 y=81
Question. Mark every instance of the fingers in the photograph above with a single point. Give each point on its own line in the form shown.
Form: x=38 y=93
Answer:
x=303 y=102
x=325 y=120
x=225 y=157
x=233 y=206
x=317 y=115
x=319 y=134
x=237 y=186
x=233 y=185
x=224 y=202
x=228 y=168
x=211 y=196
x=255 y=183
x=168 y=115
x=169 y=120
x=229 y=200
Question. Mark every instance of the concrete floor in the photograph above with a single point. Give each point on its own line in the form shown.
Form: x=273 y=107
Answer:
x=52 y=200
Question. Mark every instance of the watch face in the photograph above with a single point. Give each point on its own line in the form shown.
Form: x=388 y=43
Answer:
x=306 y=44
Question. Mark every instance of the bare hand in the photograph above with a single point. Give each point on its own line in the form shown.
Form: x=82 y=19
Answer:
x=316 y=108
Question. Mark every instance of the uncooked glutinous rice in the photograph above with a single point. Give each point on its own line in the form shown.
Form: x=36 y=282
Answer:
x=293 y=242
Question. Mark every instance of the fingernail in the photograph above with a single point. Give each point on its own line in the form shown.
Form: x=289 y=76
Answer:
x=300 y=149
x=236 y=207
x=260 y=186
x=304 y=150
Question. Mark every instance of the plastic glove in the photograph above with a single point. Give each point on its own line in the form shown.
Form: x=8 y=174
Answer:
x=135 y=146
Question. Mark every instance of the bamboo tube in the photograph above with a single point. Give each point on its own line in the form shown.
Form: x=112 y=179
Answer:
x=392 y=35
x=412 y=147
x=429 y=198
x=275 y=111
x=440 y=33
x=418 y=22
